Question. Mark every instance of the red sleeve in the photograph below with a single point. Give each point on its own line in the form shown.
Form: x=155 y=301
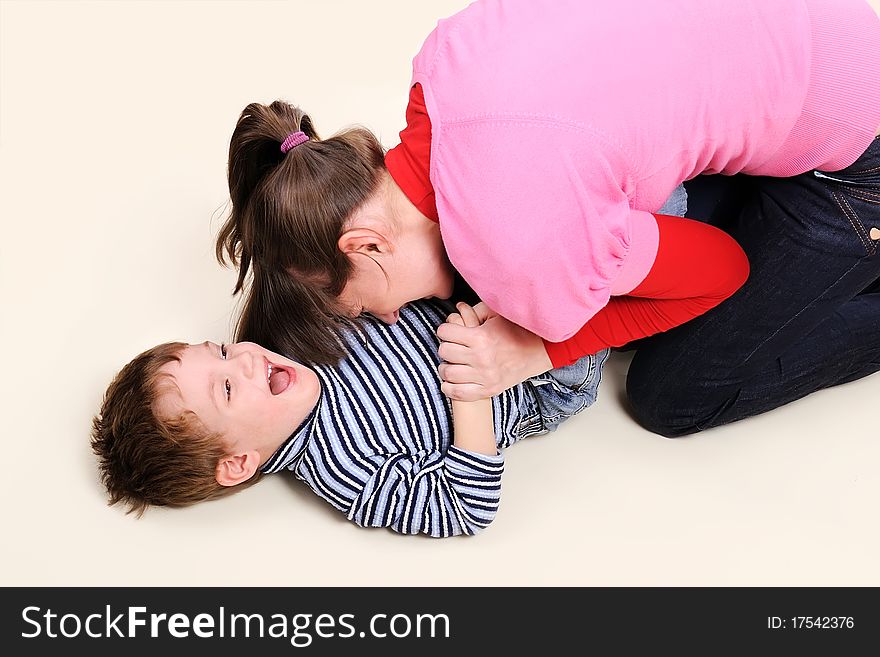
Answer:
x=697 y=267
x=409 y=163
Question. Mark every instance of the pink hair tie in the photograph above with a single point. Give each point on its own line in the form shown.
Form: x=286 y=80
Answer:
x=293 y=140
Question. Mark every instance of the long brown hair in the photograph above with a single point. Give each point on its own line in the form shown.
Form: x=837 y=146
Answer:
x=287 y=215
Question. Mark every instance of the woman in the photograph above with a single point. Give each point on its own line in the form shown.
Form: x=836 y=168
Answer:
x=543 y=171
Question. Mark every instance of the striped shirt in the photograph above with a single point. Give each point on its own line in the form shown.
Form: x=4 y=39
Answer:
x=378 y=444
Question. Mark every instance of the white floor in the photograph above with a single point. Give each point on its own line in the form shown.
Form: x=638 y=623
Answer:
x=114 y=125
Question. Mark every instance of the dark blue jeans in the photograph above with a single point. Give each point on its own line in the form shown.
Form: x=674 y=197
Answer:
x=807 y=318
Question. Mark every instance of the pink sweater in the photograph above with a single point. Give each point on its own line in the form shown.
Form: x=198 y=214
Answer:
x=558 y=126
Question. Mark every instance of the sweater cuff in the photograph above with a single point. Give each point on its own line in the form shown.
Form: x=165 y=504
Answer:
x=559 y=353
x=463 y=462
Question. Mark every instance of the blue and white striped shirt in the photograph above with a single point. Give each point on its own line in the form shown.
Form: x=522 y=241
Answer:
x=378 y=444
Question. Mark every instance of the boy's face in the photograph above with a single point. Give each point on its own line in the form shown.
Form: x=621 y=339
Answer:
x=251 y=396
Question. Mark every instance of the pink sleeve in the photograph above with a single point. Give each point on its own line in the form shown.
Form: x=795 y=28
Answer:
x=533 y=219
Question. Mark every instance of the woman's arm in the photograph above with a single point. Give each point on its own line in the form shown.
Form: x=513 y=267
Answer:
x=696 y=268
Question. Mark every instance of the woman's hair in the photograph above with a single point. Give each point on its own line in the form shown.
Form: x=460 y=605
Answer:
x=146 y=459
x=287 y=215
x=273 y=305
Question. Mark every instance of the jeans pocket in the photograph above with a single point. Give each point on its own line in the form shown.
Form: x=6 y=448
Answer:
x=867 y=179
x=531 y=421
x=594 y=374
x=863 y=173
x=856 y=192
x=862 y=211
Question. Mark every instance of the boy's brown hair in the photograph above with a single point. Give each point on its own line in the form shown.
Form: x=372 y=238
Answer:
x=149 y=460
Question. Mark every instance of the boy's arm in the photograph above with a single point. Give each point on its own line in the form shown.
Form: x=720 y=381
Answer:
x=472 y=421
x=433 y=492
x=439 y=493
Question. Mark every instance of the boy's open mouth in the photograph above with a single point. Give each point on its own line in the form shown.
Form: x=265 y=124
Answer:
x=280 y=378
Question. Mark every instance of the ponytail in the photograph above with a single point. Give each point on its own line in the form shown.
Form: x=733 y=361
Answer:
x=281 y=314
x=254 y=151
x=288 y=213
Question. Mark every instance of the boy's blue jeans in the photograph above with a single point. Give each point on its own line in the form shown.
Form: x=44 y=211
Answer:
x=560 y=394
x=807 y=318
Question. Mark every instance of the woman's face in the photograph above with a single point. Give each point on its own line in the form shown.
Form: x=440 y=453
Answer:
x=397 y=256
x=388 y=276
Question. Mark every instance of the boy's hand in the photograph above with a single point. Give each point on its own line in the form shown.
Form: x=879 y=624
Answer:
x=485 y=354
x=467 y=316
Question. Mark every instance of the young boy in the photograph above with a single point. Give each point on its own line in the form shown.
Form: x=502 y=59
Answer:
x=373 y=435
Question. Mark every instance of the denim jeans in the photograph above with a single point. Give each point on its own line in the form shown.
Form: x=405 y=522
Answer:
x=561 y=393
x=677 y=203
x=807 y=318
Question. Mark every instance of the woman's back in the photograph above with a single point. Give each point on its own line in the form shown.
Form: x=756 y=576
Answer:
x=556 y=123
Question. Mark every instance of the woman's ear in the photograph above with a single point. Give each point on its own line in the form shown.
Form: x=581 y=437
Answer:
x=236 y=469
x=365 y=241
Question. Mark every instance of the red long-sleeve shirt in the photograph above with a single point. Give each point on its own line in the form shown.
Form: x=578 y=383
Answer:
x=697 y=266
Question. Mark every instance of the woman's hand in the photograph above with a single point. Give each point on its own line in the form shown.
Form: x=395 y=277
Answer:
x=485 y=354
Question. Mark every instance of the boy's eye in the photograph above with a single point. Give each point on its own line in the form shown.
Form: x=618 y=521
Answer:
x=228 y=389
x=223 y=352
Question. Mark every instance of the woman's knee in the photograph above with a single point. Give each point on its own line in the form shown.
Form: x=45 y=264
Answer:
x=687 y=406
x=672 y=398
x=658 y=409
